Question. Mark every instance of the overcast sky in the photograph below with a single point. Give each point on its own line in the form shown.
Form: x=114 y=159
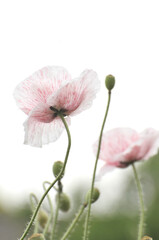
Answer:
x=119 y=37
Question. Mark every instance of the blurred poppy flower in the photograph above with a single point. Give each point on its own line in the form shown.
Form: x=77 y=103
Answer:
x=121 y=147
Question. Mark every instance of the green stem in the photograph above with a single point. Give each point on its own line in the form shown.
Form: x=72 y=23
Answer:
x=51 y=209
x=53 y=183
x=33 y=196
x=57 y=211
x=75 y=220
x=142 y=211
x=95 y=167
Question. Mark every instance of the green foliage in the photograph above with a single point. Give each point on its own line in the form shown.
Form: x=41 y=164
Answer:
x=123 y=223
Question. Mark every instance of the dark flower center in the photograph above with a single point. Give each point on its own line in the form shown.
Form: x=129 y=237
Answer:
x=56 y=111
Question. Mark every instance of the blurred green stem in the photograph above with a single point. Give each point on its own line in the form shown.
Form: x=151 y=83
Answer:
x=95 y=167
x=75 y=220
x=53 y=183
x=33 y=196
x=51 y=209
x=57 y=210
x=142 y=211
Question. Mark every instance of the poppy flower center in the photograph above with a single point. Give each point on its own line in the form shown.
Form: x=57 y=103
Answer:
x=57 y=111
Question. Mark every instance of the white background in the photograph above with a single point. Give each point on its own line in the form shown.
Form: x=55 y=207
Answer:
x=119 y=37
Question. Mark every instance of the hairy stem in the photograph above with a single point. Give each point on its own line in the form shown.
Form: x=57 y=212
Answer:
x=94 y=171
x=75 y=220
x=142 y=211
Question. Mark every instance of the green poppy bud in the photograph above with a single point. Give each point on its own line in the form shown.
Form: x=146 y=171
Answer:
x=57 y=167
x=95 y=195
x=146 y=238
x=109 y=82
x=37 y=236
x=64 y=204
x=42 y=218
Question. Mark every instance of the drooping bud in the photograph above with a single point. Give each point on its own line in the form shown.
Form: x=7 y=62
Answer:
x=37 y=236
x=95 y=195
x=110 y=82
x=64 y=204
x=42 y=218
x=57 y=167
x=146 y=238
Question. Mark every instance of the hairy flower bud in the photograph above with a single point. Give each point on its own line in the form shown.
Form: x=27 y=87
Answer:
x=110 y=82
x=95 y=195
x=57 y=167
x=146 y=238
x=42 y=218
x=37 y=236
x=64 y=204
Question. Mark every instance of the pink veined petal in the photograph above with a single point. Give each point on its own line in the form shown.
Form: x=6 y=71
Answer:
x=150 y=143
x=77 y=95
x=38 y=87
x=39 y=133
x=115 y=142
x=144 y=148
x=42 y=113
x=121 y=147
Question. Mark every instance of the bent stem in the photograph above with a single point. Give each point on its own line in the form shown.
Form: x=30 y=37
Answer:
x=142 y=211
x=95 y=167
x=53 y=183
x=75 y=220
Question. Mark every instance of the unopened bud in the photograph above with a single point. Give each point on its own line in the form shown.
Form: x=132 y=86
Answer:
x=95 y=195
x=57 y=168
x=146 y=238
x=37 y=236
x=64 y=204
x=42 y=218
x=109 y=82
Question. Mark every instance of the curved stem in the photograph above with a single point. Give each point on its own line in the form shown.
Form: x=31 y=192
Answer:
x=53 y=183
x=142 y=211
x=75 y=220
x=95 y=167
x=51 y=209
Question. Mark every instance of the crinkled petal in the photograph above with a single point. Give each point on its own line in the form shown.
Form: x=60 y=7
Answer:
x=77 y=95
x=146 y=147
x=114 y=143
x=38 y=133
x=38 y=87
x=42 y=113
x=149 y=143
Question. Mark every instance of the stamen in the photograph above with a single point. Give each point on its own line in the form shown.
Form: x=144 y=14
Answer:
x=53 y=109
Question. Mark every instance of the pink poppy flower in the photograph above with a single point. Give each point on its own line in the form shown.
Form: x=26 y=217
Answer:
x=48 y=91
x=122 y=146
